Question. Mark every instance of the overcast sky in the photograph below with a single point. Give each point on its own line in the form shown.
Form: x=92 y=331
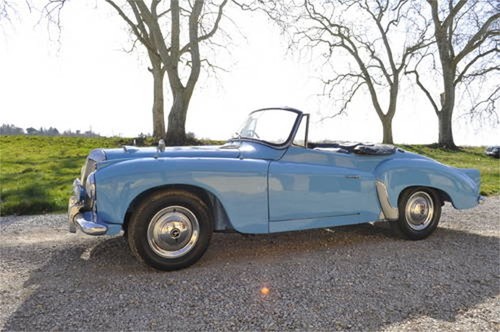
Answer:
x=86 y=81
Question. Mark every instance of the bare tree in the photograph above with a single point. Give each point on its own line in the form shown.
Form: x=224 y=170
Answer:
x=6 y=10
x=157 y=69
x=377 y=36
x=9 y=9
x=172 y=32
x=466 y=34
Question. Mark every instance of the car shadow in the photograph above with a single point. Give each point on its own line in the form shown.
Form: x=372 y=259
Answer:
x=356 y=277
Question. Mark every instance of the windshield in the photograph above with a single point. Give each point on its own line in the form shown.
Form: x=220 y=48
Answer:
x=272 y=126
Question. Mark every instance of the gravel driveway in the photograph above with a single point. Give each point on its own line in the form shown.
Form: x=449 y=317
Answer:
x=357 y=278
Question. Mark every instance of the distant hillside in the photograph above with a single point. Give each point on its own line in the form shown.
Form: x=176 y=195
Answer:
x=10 y=129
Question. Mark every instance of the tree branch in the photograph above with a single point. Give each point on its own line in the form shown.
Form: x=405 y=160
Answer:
x=423 y=88
x=479 y=56
x=212 y=32
x=477 y=39
x=132 y=26
x=195 y=47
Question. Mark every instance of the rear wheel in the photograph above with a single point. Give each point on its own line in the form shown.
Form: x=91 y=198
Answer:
x=419 y=213
x=170 y=230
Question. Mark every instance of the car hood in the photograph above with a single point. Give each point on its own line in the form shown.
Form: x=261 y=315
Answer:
x=133 y=152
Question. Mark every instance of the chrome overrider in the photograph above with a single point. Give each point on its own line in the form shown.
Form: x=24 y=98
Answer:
x=77 y=216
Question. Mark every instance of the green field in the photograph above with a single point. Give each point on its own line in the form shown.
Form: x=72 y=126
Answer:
x=37 y=172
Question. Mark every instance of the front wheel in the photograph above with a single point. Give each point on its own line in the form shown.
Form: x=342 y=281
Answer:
x=419 y=213
x=170 y=230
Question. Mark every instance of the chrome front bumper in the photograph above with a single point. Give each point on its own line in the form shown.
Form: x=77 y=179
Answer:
x=83 y=219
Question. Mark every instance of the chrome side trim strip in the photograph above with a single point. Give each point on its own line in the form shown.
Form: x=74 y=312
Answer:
x=390 y=212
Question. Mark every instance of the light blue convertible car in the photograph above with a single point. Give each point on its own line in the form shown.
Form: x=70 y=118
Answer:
x=269 y=178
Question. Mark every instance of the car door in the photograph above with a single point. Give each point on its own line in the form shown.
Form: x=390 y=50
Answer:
x=309 y=189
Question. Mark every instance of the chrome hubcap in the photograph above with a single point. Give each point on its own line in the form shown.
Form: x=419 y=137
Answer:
x=173 y=232
x=419 y=210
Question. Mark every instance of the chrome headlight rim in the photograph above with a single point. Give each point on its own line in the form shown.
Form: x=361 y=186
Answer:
x=87 y=168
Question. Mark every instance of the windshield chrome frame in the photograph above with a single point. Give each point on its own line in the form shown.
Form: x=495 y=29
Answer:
x=291 y=136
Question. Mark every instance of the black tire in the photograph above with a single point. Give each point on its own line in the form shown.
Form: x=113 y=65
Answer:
x=170 y=230
x=419 y=213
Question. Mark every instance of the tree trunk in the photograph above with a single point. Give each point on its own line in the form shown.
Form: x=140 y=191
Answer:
x=445 y=115
x=158 y=106
x=386 y=118
x=387 y=130
x=446 y=57
x=445 y=128
x=176 y=132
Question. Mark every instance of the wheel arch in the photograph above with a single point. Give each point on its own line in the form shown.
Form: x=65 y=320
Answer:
x=389 y=200
x=443 y=196
x=220 y=219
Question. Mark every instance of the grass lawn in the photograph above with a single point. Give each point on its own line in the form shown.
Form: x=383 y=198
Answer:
x=37 y=172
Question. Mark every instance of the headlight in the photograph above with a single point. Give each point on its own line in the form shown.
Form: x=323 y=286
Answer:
x=90 y=189
x=95 y=156
x=88 y=167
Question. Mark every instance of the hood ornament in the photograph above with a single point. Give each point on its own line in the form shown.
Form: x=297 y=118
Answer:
x=161 y=145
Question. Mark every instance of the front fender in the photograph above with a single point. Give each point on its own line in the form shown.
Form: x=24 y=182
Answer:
x=460 y=185
x=240 y=185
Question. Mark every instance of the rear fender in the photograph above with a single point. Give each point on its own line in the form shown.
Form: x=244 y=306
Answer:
x=460 y=186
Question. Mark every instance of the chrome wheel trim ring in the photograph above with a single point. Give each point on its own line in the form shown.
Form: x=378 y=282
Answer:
x=173 y=232
x=419 y=210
